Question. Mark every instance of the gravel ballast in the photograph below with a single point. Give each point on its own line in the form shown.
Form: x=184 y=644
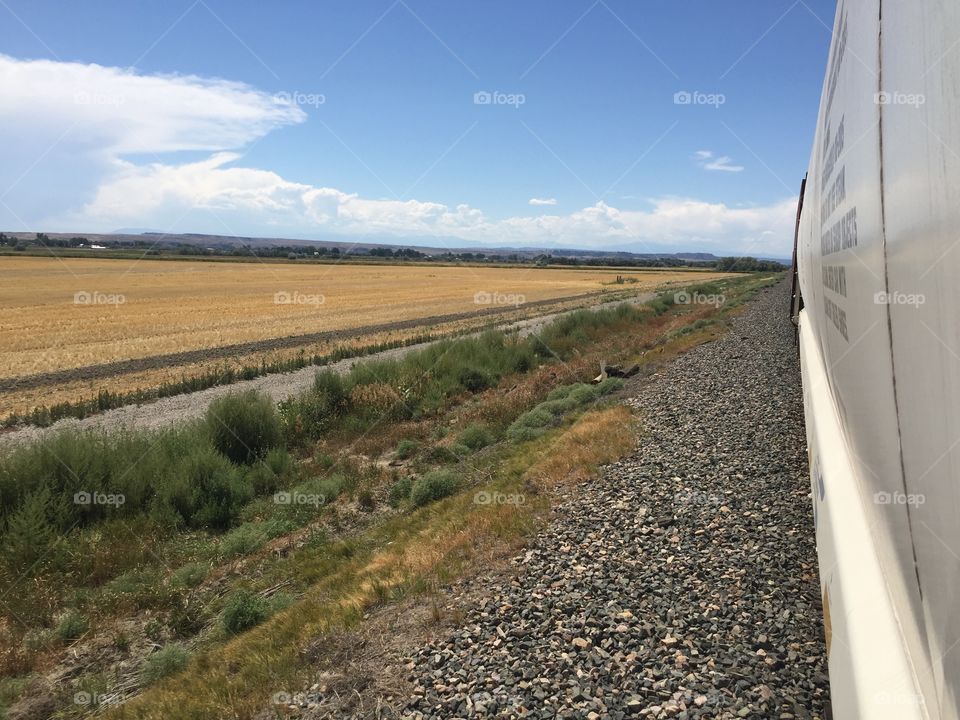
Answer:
x=680 y=584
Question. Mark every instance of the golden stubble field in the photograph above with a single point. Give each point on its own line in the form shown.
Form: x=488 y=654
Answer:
x=73 y=312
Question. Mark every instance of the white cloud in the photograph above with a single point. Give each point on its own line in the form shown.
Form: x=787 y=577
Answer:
x=708 y=161
x=100 y=135
x=124 y=113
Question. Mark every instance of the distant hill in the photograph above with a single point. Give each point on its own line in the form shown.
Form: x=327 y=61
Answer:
x=231 y=243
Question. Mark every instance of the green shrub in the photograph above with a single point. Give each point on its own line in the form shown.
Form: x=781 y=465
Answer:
x=521 y=433
x=190 y=575
x=433 y=486
x=243 y=610
x=164 y=662
x=609 y=385
x=309 y=415
x=244 y=426
x=560 y=393
x=476 y=436
x=407 y=448
x=267 y=475
x=460 y=450
x=558 y=407
x=583 y=394
x=30 y=534
x=207 y=490
x=399 y=491
x=71 y=626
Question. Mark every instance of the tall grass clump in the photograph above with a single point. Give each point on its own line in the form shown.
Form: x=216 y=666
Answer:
x=244 y=427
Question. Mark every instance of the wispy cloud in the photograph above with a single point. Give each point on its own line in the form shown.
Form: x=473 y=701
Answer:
x=542 y=201
x=709 y=161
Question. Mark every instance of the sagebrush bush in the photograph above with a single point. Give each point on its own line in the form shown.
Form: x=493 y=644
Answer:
x=243 y=611
x=534 y=423
x=244 y=426
x=433 y=486
x=71 y=626
x=476 y=436
x=190 y=575
x=407 y=449
x=209 y=490
x=166 y=661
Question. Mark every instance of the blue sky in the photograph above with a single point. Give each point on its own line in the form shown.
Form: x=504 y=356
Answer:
x=363 y=120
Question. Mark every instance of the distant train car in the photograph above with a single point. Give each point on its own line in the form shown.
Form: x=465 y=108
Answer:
x=878 y=312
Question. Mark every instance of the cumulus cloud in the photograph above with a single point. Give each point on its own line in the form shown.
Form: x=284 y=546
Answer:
x=104 y=138
x=708 y=161
x=121 y=112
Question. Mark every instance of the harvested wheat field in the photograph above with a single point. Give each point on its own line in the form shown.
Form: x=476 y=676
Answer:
x=73 y=312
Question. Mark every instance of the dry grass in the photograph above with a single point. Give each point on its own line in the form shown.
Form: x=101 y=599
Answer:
x=596 y=438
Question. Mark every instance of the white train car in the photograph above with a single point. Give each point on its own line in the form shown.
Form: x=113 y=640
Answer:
x=878 y=312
